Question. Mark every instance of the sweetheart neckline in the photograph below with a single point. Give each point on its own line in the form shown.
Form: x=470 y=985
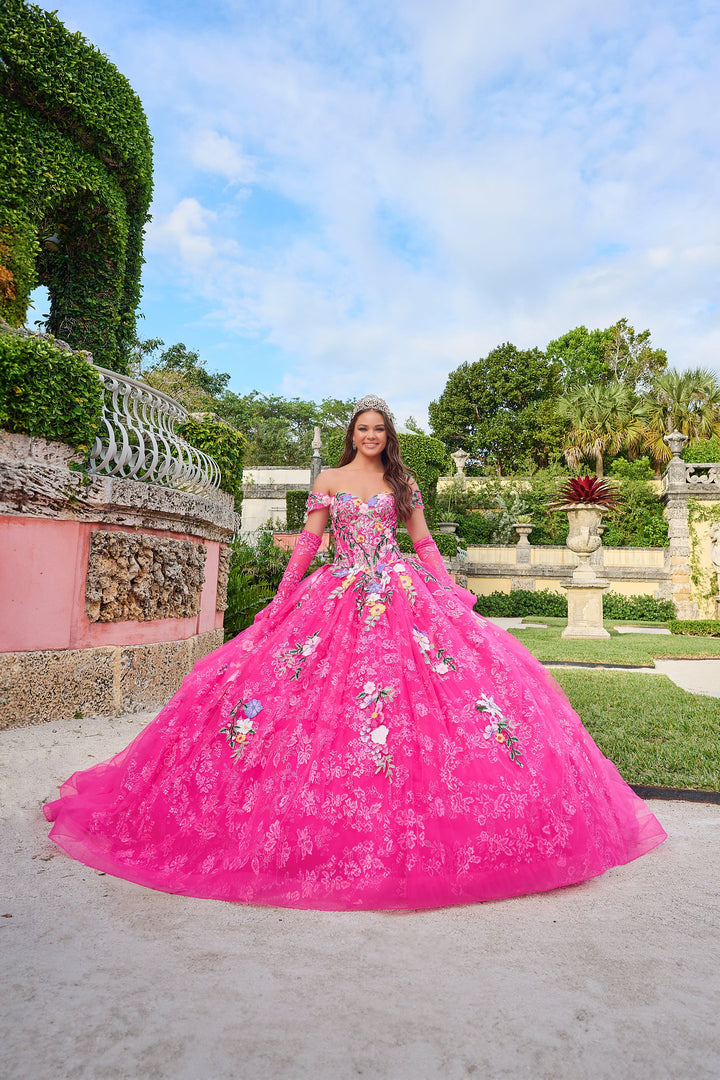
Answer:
x=359 y=498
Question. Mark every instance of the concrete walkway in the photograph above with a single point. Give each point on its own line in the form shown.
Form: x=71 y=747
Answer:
x=615 y=979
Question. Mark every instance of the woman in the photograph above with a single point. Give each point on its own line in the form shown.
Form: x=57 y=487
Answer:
x=369 y=742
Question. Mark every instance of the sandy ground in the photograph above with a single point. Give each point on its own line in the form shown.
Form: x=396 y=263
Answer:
x=616 y=978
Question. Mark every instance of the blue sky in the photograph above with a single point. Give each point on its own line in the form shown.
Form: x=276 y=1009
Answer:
x=355 y=196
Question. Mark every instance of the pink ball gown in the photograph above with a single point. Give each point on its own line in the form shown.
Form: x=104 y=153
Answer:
x=373 y=744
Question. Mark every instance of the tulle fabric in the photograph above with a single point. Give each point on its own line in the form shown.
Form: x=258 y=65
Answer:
x=375 y=745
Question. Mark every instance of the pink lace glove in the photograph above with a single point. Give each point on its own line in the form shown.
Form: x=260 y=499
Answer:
x=302 y=556
x=428 y=554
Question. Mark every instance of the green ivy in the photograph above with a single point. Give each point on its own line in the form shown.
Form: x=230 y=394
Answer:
x=48 y=393
x=696 y=627
x=222 y=442
x=295 y=505
x=703 y=579
x=76 y=160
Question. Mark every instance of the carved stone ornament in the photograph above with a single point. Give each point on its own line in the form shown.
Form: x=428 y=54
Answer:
x=223 y=573
x=137 y=577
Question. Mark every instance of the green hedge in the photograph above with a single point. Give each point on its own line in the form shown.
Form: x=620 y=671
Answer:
x=696 y=628
x=222 y=442
x=521 y=602
x=295 y=505
x=48 y=393
x=447 y=544
x=76 y=160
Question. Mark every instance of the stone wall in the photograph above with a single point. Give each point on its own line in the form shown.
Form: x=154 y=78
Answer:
x=110 y=589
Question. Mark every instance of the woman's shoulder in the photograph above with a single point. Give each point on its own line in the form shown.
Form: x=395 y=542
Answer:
x=326 y=483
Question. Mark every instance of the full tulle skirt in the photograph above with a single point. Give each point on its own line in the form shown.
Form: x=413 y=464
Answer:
x=386 y=749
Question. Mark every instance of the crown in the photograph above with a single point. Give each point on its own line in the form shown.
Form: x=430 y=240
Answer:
x=370 y=401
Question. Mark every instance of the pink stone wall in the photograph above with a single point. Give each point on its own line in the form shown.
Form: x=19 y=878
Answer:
x=43 y=571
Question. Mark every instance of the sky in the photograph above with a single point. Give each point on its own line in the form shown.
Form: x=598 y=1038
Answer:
x=358 y=196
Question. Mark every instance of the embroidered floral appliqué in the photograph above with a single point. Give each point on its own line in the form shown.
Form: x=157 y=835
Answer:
x=439 y=660
x=239 y=728
x=374 y=733
x=500 y=728
x=294 y=658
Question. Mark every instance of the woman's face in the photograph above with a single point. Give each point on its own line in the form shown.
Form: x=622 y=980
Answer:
x=369 y=434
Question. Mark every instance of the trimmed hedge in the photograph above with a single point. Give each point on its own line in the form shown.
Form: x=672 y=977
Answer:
x=295 y=506
x=48 y=393
x=521 y=602
x=696 y=628
x=447 y=544
x=225 y=444
x=76 y=160
x=702 y=451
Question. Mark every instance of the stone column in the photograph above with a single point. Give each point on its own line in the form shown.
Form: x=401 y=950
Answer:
x=315 y=464
x=676 y=513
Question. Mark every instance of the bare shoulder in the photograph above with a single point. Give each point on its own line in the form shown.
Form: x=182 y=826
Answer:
x=412 y=483
x=326 y=483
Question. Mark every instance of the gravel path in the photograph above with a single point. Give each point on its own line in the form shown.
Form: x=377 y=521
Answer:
x=616 y=978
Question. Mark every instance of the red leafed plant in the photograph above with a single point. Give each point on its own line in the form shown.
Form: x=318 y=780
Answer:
x=586 y=490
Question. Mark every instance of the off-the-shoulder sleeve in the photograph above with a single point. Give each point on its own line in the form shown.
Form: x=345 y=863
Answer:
x=416 y=500
x=317 y=501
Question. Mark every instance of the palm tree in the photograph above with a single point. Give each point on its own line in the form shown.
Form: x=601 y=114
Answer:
x=601 y=419
x=688 y=401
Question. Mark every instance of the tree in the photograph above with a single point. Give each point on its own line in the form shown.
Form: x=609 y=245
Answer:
x=498 y=409
x=600 y=357
x=600 y=419
x=688 y=401
x=413 y=427
x=279 y=430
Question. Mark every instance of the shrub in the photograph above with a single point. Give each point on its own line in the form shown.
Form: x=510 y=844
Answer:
x=647 y=608
x=222 y=442
x=702 y=450
x=542 y=602
x=295 y=504
x=447 y=544
x=522 y=602
x=48 y=393
x=697 y=627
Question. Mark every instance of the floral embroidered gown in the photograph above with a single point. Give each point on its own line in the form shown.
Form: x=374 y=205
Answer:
x=374 y=744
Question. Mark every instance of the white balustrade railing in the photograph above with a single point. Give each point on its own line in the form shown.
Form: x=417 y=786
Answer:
x=139 y=441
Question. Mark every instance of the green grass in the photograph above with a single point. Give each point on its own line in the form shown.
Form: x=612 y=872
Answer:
x=656 y=733
x=637 y=650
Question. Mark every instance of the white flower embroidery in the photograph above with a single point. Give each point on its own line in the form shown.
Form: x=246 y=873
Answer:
x=380 y=734
x=311 y=644
x=368 y=688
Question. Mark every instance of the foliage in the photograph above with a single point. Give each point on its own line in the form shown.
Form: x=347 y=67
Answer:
x=642 y=607
x=48 y=393
x=654 y=732
x=256 y=569
x=640 y=521
x=447 y=544
x=631 y=358
x=686 y=401
x=601 y=419
x=280 y=430
x=702 y=451
x=521 y=602
x=554 y=605
x=223 y=443
x=581 y=356
x=295 y=505
x=586 y=490
x=76 y=161
x=704 y=581
x=696 y=627
x=500 y=409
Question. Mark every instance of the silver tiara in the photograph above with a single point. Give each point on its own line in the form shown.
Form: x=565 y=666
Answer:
x=370 y=401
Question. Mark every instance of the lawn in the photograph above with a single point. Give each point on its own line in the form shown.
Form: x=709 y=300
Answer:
x=636 y=650
x=656 y=733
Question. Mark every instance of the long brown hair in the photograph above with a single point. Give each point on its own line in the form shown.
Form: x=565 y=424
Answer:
x=397 y=475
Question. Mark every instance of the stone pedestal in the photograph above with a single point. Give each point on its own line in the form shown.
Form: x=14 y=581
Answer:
x=585 y=609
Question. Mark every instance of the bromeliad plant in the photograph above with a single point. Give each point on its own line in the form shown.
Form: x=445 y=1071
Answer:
x=587 y=491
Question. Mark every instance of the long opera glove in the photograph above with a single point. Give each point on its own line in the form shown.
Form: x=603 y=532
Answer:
x=303 y=554
x=428 y=554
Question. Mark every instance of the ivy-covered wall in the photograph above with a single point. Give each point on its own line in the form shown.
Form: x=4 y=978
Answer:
x=76 y=161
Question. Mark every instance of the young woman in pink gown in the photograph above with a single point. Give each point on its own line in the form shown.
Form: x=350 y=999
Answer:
x=369 y=742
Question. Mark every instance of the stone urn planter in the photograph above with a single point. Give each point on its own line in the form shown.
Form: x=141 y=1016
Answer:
x=448 y=527
x=585 y=500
